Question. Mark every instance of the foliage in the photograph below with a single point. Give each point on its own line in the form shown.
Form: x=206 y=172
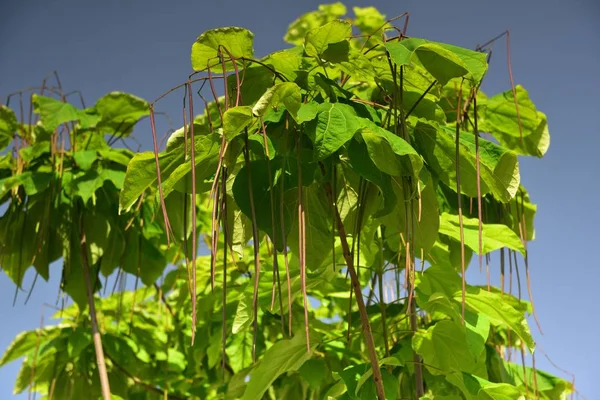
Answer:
x=329 y=175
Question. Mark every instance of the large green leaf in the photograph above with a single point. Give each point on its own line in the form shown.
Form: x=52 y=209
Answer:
x=498 y=311
x=141 y=170
x=287 y=62
x=298 y=29
x=318 y=225
x=423 y=210
x=476 y=388
x=362 y=164
x=390 y=153
x=323 y=39
x=494 y=236
x=442 y=61
x=499 y=172
x=120 y=112
x=207 y=150
x=55 y=112
x=444 y=347
x=549 y=386
x=18 y=238
x=258 y=173
x=232 y=40
x=286 y=94
x=243 y=315
x=8 y=126
x=501 y=119
x=86 y=185
x=33 y=182
x=285 y=355
x=335 y=124
x=26 y=341
x=235 y=119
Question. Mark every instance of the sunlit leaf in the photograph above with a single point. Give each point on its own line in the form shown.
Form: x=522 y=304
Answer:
x=229 y=42
x=498 y=312
x=502 y=120
x=444 y=348
x=8 y=126
x=285 y=355
x=120 y=112
x=55 y=112
x=235 y=120
x=300 y=27
x=499 y=167
x=494 y=236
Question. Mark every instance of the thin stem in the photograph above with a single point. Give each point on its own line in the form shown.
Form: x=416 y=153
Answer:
x=255 y=244
x=362 y=310
x=460 y=216
x=382 y=305
x=104 y=384
x=302 y=244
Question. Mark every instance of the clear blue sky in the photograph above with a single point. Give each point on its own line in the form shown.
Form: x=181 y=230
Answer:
x=143 y=47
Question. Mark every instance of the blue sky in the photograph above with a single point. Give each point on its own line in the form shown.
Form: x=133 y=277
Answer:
x=142 y=47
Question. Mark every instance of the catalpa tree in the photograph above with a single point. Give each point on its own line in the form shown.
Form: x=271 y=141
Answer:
x=303 y=235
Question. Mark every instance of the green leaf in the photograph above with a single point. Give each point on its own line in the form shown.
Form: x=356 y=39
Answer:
x=438 y=279
x=308 y=111
x=314 y=372
x=424 y=210
x=86 y=185
x=336 y=123
x=18 y=238
x=259 y=176
x=368 y=19
x=239 y=350
x=287 y=62
x=548 y=385
x=362 y=164
x=286 y=94
x=501 y=119
x=85 y=159
x=27 y=341
x=476 y=388
x=298 y=29
x=8 y=126
x=207 y=150
x=444 y=347
x=142 y=257
x=235 y=119
x=257 y=80
x=285 y=355
x=35 y=151
x=321 y=39
x=243 y=316
x=141 y=170
x=120 y=112
x=33 y=182
x=318 y=227
x=390 y=153
x=444 y=62
x=55 y=112
x=498 y=311
x=231 y=41
x=494 y=236
x=499 y=172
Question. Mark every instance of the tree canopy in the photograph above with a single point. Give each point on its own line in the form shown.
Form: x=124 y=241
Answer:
x=303 y=235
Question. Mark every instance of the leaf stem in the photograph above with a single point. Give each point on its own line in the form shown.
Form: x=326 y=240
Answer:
x=104 y=384
x=364 y=317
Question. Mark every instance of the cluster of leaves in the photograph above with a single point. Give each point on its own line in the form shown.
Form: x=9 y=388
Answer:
x=61 y=180
x=345 y=154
